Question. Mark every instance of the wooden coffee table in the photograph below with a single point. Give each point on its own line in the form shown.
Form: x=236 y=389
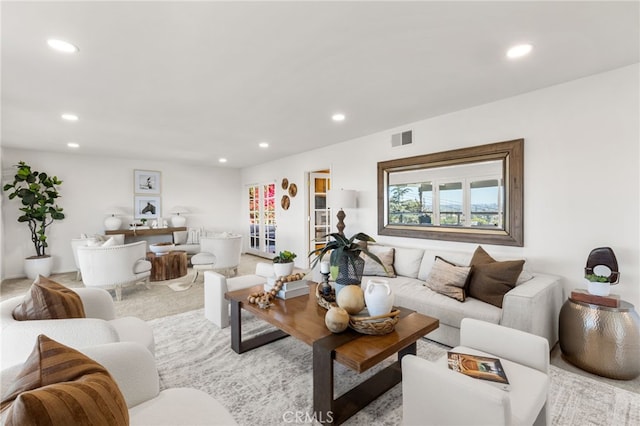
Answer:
x=302 y=318
x=167 y=266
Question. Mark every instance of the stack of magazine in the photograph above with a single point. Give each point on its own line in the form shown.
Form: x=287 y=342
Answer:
x=290 y=289
x=479 y=367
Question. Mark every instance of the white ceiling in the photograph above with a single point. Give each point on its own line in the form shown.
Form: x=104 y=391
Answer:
x=195 y=81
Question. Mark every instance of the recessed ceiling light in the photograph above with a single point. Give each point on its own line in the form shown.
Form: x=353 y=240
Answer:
x=338 y=117
x=263 y=145
x=222 y=160
x=73 y=145
x=69 y=117
x=519 y=51
x=62 y=46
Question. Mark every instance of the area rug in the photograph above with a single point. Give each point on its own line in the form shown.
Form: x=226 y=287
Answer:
x=271 y=385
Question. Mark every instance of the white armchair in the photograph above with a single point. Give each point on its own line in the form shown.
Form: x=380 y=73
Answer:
x=219 y=252
x=134 y=370
x=85 y=241
x=114 y=267
x=99 y=326
x=432 y=394
x=216 y=307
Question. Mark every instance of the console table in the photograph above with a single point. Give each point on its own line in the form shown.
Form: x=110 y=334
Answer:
x=602 y=340
x=145 y=232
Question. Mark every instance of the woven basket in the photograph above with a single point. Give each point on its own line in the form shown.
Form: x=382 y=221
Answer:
x=325 y=303
x=380 y=324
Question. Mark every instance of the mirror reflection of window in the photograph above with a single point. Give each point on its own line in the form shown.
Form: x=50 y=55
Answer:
x=467 y=195
x=486 y=203
x=450 y=206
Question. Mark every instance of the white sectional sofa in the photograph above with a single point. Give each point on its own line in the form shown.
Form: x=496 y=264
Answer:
x=532 y=306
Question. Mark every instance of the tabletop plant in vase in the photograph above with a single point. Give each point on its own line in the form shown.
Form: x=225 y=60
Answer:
x=599 y=285
x=283 y=263
x=38 y=194
x=345 y=257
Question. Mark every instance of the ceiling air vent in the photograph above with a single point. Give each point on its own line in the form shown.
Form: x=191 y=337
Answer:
x=404 y=138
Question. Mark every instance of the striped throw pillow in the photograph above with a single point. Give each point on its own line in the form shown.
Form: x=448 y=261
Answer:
x=49 y=300
x=61 y=386
x=448 y=279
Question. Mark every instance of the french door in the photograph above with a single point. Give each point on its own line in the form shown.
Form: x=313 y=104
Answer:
x=262 y=219
x=319 y=210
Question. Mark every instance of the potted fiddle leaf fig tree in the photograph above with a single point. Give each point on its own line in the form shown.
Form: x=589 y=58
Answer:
x=38 y=194
x=283 y=263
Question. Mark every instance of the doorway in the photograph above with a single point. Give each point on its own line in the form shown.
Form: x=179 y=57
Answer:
x=320 y=222
x=262 y=219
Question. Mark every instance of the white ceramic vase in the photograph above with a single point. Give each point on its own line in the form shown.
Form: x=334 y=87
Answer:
x=34 y=266
x=378 y=297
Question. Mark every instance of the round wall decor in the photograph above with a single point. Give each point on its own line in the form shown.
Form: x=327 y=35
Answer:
x=285 y=183
x=293 y=190
x=285 y=202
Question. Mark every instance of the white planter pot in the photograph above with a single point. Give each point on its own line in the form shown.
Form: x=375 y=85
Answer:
x=282 y=269
x=34 y=266
x=599 y=289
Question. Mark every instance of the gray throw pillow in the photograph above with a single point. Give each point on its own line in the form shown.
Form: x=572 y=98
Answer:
x=448 y=279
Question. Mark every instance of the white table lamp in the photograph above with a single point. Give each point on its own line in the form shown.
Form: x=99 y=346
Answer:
x=178 y=221
x=113 y=222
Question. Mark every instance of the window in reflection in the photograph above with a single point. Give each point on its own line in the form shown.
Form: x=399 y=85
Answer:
x=431 y=197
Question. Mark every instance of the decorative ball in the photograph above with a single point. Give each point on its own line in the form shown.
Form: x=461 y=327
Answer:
x=351 y=299
x=336 y=320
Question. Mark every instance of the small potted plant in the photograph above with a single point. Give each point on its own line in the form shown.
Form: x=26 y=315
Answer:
x=38 y=194
x=345 y=257
x=599 y=285
x=283 y=263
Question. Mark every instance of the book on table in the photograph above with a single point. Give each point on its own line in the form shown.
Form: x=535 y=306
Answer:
x=288 y=294
x=479 y=367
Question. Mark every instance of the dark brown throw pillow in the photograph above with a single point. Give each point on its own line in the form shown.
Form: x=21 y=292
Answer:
x=60 y=386
x=491 y=280
x=49 y=300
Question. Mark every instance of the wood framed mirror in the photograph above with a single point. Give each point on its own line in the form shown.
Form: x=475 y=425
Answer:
x=471 y=195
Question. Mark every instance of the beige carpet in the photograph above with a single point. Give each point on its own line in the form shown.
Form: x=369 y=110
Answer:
x=268 y=385
x=176 y=296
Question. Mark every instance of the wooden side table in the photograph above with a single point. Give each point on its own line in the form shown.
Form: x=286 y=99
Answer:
x=167 y=266
x=601 y=340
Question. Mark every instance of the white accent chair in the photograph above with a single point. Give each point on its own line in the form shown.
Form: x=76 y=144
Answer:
x=115 y=266
x=85 y=241
x=216 y=307
x=181 y=242
x=226 y=250
x=432 y=394
x=134 y=370
x=99 y=326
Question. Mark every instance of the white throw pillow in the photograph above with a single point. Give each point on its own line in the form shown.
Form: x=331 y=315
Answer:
x=110 y=242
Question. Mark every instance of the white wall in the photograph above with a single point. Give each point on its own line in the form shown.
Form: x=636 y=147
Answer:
x=581 y=173
x=91 y=185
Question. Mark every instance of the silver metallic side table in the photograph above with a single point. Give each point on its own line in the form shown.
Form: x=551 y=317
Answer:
x=601 y=340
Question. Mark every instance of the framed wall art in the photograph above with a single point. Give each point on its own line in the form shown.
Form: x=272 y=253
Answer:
x=146 y=182
x=146 y=207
